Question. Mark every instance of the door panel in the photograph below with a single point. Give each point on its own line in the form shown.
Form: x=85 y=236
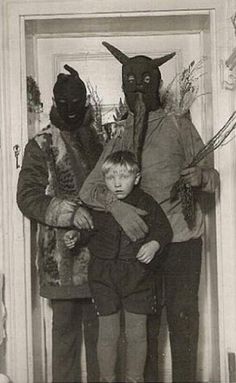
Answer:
x=95 y=64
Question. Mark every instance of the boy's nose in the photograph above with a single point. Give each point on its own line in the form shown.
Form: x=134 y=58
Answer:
x=117 y=181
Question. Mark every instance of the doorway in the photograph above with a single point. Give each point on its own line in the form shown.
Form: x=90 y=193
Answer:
x=54 y=42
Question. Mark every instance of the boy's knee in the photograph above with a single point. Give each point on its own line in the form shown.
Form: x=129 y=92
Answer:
x=109 y=328
x=136 y=327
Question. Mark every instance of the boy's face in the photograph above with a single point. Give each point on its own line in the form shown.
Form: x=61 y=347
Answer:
x=120 y=181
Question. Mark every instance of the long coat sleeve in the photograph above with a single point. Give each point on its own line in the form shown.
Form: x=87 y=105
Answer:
x=53 y=170
x=32 y=197
x=169 y=146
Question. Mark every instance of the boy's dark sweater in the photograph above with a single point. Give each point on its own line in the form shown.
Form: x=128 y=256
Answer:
x=108 y=241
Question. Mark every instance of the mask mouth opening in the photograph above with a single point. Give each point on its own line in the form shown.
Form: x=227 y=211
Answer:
x=137 y=91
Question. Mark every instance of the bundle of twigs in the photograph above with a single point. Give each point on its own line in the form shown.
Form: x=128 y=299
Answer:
x=183 y=90
x=184 y=191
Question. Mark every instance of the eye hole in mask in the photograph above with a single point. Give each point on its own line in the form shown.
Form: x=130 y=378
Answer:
x=146 y=78
x=131 y=78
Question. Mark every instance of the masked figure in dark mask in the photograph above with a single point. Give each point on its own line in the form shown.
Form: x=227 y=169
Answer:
x=70 y=98
x=164 y=144
x=56 y=162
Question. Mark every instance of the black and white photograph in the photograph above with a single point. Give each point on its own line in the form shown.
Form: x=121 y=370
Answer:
x=118 y=191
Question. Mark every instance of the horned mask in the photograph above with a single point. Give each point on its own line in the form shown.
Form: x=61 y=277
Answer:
x=141 y=79
x=70 y=97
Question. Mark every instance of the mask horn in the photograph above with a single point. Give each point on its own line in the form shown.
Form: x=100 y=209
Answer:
x=162 y=60
x=121 y=57
x=71 y=70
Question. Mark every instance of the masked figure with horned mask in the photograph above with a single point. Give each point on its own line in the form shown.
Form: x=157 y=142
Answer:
x=163 y=144
x=55 y=164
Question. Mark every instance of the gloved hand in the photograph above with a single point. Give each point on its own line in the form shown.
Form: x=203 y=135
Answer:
x=129 y=218
x=82 y=219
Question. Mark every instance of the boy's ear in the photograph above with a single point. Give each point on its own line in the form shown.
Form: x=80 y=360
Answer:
x=137 y=178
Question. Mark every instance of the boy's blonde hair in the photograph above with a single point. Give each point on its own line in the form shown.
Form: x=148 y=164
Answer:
x=121 y=158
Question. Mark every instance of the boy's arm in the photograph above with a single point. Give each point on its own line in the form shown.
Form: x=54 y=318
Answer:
x=159 y=226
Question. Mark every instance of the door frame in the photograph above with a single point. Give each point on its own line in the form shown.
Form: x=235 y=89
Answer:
x=17 y=240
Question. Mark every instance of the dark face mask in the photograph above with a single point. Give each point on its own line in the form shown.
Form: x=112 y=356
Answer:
x=141 y=81
x=140 y=75
x=70 y=98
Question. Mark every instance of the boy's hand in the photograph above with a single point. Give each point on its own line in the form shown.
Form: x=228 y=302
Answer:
x=70 y=238
x=147 y=252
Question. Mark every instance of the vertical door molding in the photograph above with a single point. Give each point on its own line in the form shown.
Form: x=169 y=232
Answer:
x=16 y=230
x=224 y=105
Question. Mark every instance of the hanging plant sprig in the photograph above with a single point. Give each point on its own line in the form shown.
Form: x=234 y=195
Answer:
x=34 y=103
x=183 y=90
x=96 y=103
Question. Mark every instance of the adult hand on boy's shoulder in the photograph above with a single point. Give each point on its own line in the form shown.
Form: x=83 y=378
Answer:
x=147 y=251
x=129 y=218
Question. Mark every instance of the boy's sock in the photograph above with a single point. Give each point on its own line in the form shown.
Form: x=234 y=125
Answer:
x=109 y=332
x=136 y=336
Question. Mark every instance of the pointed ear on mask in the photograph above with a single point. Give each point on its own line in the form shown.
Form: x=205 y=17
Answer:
x=123 y=59
x=162 y=60
x=120 y=56
x=71 y=70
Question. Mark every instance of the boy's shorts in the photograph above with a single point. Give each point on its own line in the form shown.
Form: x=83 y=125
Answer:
x=117 y=284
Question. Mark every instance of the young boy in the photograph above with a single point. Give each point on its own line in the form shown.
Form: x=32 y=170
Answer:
x=120 y=271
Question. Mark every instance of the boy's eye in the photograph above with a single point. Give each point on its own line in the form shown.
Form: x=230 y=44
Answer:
x=146 y=78
x=131 y=78
x=109 y=178
x=62 y=101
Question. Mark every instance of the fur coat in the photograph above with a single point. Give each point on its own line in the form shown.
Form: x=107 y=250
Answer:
x=55 y=165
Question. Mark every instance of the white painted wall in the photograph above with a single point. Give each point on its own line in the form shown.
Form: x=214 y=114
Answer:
x=2 y=351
